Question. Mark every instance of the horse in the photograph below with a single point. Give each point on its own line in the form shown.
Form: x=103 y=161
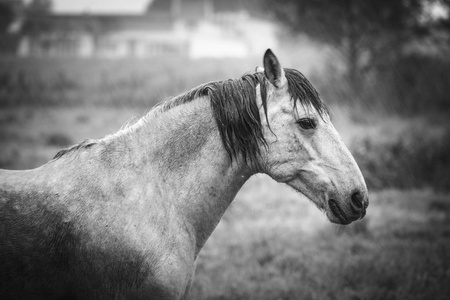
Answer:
x=125 y=216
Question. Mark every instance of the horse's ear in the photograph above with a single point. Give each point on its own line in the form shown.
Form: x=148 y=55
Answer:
x=273 y=70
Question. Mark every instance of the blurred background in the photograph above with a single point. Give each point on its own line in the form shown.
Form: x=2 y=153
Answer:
x=70 y=70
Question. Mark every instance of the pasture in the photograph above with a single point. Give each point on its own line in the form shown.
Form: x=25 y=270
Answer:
x=272 y=243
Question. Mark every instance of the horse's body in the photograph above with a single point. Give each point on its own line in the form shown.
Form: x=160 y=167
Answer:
x=125 y=217
x=98 y=221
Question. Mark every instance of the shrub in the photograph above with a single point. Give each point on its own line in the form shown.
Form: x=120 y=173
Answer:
x=412 y=160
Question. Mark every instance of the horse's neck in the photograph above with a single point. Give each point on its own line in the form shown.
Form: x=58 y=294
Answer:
x=186 y=164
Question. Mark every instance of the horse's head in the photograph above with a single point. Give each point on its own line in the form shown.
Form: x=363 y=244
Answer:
x=304 y=149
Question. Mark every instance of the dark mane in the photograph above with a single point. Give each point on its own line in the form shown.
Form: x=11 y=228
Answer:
x=236 y=111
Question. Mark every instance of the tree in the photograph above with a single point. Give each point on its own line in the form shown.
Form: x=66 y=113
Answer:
x=373 y=30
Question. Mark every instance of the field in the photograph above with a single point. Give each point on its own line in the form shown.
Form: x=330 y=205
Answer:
x=271 y=243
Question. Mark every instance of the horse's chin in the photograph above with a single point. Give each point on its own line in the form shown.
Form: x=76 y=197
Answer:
x=299 y=187
x=323 y=202
x=335 y=219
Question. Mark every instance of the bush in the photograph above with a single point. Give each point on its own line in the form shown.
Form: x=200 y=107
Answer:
x=412 y=160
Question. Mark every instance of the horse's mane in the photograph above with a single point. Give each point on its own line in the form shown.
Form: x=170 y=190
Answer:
x=236 y=111
x=83 y=145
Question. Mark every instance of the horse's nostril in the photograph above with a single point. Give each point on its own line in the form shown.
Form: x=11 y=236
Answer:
x=357 y=200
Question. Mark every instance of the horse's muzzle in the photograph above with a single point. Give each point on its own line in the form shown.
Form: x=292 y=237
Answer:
x=358 y=204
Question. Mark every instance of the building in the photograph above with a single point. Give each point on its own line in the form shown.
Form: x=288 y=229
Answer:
x=192 y=28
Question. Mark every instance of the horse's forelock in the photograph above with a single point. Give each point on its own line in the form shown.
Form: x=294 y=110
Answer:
x=301 y=90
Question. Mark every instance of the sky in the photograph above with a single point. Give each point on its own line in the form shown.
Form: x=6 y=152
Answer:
x=99 y=6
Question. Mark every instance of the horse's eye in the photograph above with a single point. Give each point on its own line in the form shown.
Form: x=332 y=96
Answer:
x=307 y=123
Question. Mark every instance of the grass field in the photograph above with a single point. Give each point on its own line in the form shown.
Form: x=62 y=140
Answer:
x=272 y=243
